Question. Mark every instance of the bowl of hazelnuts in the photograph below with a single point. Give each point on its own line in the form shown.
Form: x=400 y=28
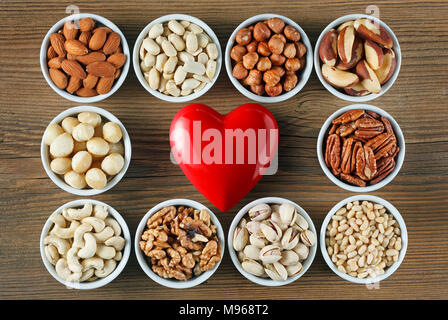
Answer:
x=269 y=58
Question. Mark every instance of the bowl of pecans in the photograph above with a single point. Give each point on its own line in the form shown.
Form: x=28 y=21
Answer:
x=179 y=243
x=361 y=148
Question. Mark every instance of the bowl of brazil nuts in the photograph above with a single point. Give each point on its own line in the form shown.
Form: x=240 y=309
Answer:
x=272 y=241
x=86 y=150
x=363 y=239
x=269 y=58
x=177 y=58
x=179 y=243
x=85 y=244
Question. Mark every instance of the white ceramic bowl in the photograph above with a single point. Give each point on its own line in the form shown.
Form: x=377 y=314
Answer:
x=267 y=281
x=120 y=265
x=335 y=91
x=102 y=22
x=143 y=260
x=390 y=209
x=58 y=180
x=136 y=57
x=399 y=159
x=304 y=73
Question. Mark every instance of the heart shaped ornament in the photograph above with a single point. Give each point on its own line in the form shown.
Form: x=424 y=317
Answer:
x=224 y=156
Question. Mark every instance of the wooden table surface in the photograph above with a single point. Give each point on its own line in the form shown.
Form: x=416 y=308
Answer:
x=417 y=101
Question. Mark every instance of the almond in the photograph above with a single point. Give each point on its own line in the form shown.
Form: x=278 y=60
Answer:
x=101 y=69
x=57 y=42
x=117 y=60
x=86 y=24
x=55 y=63
x=97 y=40
x=86 y=92
x=71 y=56
x=117 y=73
x=70 y=30
x=73 y=85
x=90 y=81
x=91 y=57
x=75 y=47
x=108 y=30
x=104 y=85
x=112 y=43
x=84 y=37
x=59 y=78
x=73 y=68
x=51 y=53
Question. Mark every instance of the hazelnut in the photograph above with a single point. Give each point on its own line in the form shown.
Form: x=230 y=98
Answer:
x=250 y=60
x=243 y=36
x=292 y=64
x=276 y=45
x=276 y=24
x=300 y=48
x=261 y=32
x=290 y=50
x=238 y=52
x=280 y=70
x=254 y=78
x=291 y=33
x=239 y=71
x=290 y=81
x=302 y=62
x=263 y=49
x=264 y=64
x=280 y=36
x=258 y=89
x=277 y=59
x=271 y=77
x=273 y=91
x=252 y=47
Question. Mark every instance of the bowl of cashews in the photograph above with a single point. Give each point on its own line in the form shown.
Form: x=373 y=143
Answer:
x=85 y=244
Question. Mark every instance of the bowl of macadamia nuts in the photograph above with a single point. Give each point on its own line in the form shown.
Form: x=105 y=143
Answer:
x=272 y=241
x=85 y=244
x=357 y=58
x=177 y=58
x=269 y=58
x=86 y=150
x=179 y=243
x=363 y=239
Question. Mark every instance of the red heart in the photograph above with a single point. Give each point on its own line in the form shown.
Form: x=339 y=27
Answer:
x=222 y=168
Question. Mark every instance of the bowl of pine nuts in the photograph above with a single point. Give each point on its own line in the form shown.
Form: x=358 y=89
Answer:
x=177 y=58
x=363 y=239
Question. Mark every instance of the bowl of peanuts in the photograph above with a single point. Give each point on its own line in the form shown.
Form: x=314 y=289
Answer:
x=86 y=150
x=269 y=58
x=179 y=243
x=177 y=58
x=363 y=239
x=85 y=58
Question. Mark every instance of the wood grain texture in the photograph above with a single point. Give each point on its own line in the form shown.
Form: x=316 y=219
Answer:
x=417 y=101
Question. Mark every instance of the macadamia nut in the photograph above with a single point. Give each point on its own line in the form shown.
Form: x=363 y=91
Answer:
x=112 y=164
x=112 y=132
x=75 y=180
x=83 y=132
x=97 y=146
x=96 y=178
x=92 y=118
x=53 y=130
x=69 y=123
x=62 y=145
x=81 y=161
x=116 y=148
x=61 y=165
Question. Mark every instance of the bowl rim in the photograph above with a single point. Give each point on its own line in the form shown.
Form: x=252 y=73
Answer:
x=400 y=156
x=392 y=210
x=43 y=58
x=120 y=265
x=305 y=75
x=262 y=281
x=45 y=157
x=176 y=284
x=371 y=96
x=136 y=57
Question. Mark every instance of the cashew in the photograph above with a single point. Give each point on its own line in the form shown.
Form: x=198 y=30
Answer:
x=118 y=256
x=62 y=269
x=58 y=219
x=86 y=275
x=102 y=236
x=105 y=252
x=111 y=222
x=78 y=241
x=65 y=233
x=109 y=266
x=89 y=248
x=74 y=277
x=92 y=263
x=117 y=242
x=51 y=253
x=73 y=261
x=61 y=244
x=65 y=215
x=97 y=224
x=79 y=214
x=100 y=212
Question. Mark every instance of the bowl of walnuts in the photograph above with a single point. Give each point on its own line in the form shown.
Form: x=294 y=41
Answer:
x=269 y=58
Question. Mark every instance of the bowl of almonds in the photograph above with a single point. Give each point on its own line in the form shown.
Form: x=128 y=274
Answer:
x=85 y=58
x=177 y=58
x=363 y=239
x=361 y=148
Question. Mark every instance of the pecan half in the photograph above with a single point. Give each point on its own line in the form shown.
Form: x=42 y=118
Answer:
x=388 y=127
x=353 y=180
x=365 y=163
x=377 y=141
x=368 y=128
x=356 y=147
x=384 y=170
x=346 y=157
x=348 y=116
x=346 y=129
x=373 y=114
x=333 y=152
x=384 y=150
